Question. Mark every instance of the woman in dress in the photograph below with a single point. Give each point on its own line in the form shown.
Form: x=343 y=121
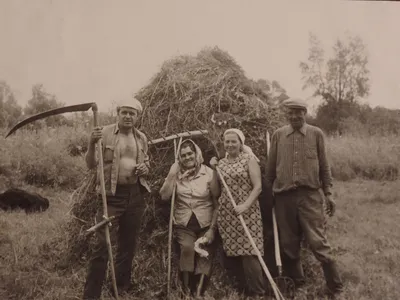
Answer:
x=195 y=213
x=242 y=174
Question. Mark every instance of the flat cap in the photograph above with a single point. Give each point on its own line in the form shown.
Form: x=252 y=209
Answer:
x=132 y=103
x=295 y=103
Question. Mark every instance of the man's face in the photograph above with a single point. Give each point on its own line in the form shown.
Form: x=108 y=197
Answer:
x=127 y=117
x=296 y=117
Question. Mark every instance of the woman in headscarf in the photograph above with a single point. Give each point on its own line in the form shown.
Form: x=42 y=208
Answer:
x=241 y=172
x=195 y=214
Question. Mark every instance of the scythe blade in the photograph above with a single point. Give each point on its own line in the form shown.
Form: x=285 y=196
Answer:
x=52 y=112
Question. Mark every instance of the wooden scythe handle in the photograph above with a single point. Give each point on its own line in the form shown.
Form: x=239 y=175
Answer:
x=104 y=198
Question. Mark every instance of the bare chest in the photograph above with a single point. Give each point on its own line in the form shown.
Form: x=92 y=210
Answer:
x=127 y=146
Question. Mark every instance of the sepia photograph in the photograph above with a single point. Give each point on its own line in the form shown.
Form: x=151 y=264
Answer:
x=213 y=150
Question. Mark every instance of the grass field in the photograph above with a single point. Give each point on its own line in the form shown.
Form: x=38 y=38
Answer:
x=364 y=232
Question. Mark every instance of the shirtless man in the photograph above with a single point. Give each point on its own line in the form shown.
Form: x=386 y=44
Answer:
x=126 y=164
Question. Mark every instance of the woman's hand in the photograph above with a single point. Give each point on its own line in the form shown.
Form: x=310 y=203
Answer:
x=214 y=163
x=173 y=171
x=241 y=208
x=210 y=235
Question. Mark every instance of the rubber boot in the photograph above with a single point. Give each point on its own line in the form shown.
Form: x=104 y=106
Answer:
x=332 y=277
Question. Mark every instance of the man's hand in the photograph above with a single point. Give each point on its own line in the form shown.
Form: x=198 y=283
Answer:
x=96 y=135
x=241 y=208
x=330 y=205
x=210 y=235
x=213 y=163
x=142 y=169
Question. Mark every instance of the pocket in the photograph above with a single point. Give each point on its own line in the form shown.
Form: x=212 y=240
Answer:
x=311 y=153
x=108 y=153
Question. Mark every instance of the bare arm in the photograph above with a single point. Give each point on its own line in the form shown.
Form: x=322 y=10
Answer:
x=169 y=183
x=255 y=177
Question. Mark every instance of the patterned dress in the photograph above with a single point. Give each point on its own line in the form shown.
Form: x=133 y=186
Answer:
x=234 y=238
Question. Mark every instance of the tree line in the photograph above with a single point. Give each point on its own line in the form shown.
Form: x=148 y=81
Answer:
x=340 y=80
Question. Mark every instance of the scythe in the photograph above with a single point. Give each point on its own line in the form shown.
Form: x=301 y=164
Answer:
x=76 y=108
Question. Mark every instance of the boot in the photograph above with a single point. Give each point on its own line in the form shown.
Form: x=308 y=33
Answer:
x=186 y=282
x=332 y=277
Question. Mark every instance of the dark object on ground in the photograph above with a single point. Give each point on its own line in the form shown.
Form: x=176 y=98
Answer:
x=13 y=199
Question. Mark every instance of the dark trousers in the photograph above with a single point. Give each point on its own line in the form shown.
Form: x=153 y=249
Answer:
x=128 y=207
x=301 y=212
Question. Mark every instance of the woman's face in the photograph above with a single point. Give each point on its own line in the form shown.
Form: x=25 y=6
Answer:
x=188 y=157
x=232 y=144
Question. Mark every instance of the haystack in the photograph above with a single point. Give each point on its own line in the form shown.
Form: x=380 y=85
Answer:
x=208 y=91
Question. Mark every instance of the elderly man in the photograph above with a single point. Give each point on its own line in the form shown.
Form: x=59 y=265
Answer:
x=126 y=163
x=297 y=170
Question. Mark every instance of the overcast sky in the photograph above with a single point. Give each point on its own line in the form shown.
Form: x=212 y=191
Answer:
x=103 y=50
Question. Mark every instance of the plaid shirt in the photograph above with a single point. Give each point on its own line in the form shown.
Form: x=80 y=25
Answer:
x=111 y=157
x=298 y=159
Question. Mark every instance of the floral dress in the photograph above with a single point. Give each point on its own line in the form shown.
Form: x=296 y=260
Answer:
x=234 y=238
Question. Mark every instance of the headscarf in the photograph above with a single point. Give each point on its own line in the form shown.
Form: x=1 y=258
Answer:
x=246 y=149
x=183 y=172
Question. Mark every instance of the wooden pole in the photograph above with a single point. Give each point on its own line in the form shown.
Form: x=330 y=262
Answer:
x=104 y=200
x=178 y=135
x=171 y=224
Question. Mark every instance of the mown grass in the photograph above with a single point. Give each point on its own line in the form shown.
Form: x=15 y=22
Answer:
x=364 y=233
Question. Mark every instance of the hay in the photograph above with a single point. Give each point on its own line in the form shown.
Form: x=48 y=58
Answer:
x=209 y=91
x=78 y=244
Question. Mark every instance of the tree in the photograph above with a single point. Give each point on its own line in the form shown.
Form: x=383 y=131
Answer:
x=10 y=111
x=341 y=80
x=42 y=101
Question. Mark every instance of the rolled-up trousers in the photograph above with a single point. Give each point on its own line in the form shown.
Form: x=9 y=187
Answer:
x=128 y=207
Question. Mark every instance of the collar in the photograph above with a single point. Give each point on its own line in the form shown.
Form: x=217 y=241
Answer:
x=202 y=171
x=116 y=129
x=290 y=130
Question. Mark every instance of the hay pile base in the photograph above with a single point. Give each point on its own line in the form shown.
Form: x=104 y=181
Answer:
x=85 y=204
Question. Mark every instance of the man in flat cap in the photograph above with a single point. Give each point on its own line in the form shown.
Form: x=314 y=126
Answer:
x=298 y=169
x=126 y=164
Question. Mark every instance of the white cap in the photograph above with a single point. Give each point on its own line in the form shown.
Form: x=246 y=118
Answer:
x=132 y=103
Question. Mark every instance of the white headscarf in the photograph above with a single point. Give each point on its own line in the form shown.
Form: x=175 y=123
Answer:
x=246 y=148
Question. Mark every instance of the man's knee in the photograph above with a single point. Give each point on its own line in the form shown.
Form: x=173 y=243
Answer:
x=321 y=249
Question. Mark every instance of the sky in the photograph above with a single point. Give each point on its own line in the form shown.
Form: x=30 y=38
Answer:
x=103 y=51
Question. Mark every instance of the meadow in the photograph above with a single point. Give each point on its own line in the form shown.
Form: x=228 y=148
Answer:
x=364 y=233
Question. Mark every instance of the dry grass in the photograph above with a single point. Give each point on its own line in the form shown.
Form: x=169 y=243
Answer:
x=374 y=157
x=363 y=233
